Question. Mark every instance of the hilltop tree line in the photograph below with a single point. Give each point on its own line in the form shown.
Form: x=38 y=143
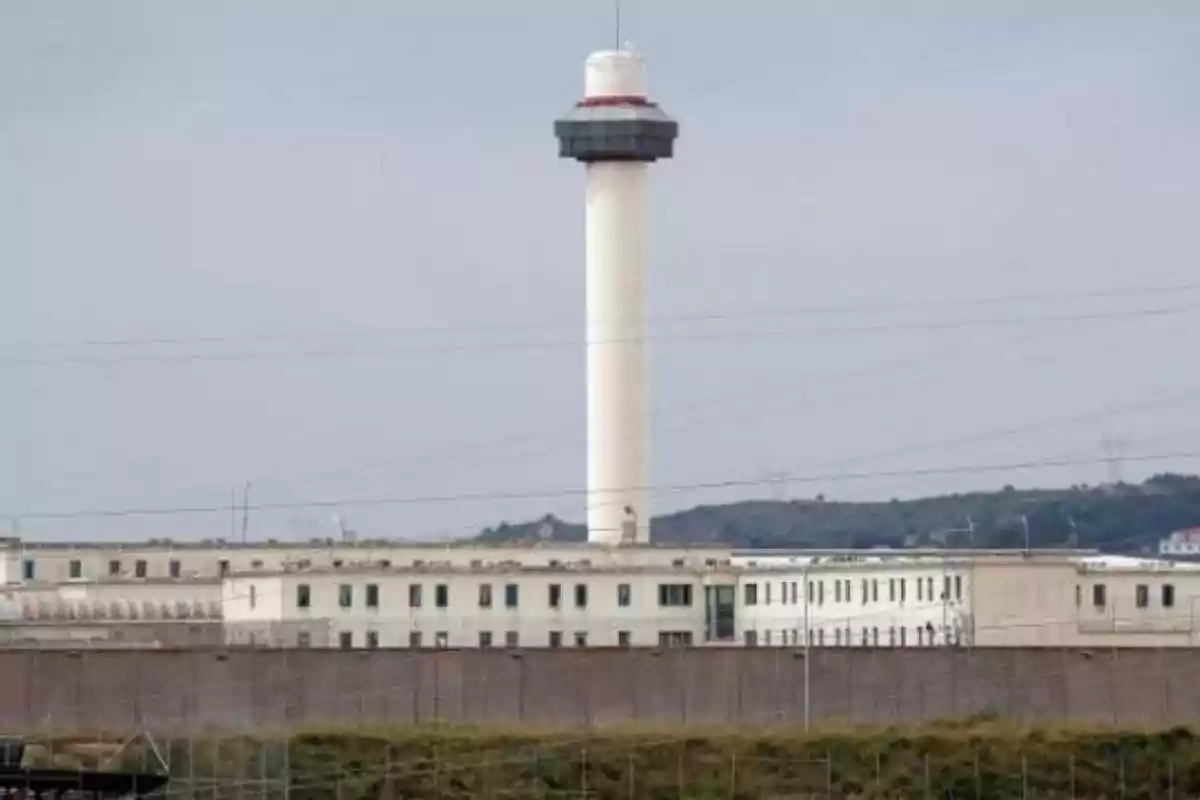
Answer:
x=1123 y=518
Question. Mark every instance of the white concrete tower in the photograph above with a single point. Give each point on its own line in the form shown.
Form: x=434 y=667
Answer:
x=616 y=132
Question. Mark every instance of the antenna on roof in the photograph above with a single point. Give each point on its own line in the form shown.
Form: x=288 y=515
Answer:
x=245 y=510
x=617 y=24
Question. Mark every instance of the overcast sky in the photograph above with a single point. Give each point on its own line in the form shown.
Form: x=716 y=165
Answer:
x=295 y=193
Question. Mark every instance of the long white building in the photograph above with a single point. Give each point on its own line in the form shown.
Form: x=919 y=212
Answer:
x=383 y=594
x=62 y=562
x=847 y=600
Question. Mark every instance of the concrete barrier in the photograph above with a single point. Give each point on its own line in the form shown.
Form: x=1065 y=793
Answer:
x=216 y=689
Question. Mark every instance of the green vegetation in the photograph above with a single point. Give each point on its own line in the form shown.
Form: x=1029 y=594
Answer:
x=972 y=759
x=1119 y=518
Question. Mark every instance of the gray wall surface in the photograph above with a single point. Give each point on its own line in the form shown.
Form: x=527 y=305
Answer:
x=191 y=690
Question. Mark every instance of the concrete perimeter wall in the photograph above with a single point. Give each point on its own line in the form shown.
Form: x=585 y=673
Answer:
x=192 y=690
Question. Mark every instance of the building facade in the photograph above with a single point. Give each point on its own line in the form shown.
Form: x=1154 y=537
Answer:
x=45 y=562
x=567 y=595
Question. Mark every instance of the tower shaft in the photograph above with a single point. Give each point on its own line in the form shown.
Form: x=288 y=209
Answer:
x=617 y=393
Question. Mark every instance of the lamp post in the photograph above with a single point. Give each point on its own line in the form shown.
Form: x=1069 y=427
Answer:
x=807 y=649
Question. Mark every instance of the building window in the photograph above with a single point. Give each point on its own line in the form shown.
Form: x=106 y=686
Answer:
x=581 y=595
x=414 y=640
x=256 y=564
x=554 y=597
x=556 y=638
x=372 y=595
x=1099 y=595
x=485 y=596
x=766 y=637
x=114 y=568
x=920 y=593
x=945 y=587
x=958 y=587
x=580 y=639
x=751 y=638
x=303 y=639
x=345 y=595
x=1078 y=596
x=750 y=592
x=903 y=589
x=675 y=594
x=794 y=593
x=441 y=595
x=139 y=568
x=623 y=639
x=253 y=595
x=512 y=595
x=874 y=590
x=511 y=639
x=346 y=640
x=173 y=568
x=372 y=640
x=866 y=595
x=820 y=593
x=783 y=592
x=891 y=590
x=28 y=569
x=837 y=591
x=681 y=639
x=920 y=632
x=441 y=640
x=864 y=639
x=903 y=636
x=837 y=637
x=303 y=596
x=485 y=638
x=223 y=567
x=766 y=593
x=414 y=595
x=812 y=597
x=874 y=637
x=624 y=594
x=1141 y=595
x=929 y=589
x=891 y=636
x=1168 y=595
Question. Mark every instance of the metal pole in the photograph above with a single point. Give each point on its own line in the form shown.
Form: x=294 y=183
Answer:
x=807 y=651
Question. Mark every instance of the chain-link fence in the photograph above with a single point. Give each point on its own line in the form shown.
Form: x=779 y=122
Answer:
x=726 y=766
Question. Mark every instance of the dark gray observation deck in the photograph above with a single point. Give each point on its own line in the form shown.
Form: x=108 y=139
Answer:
x=616 y=129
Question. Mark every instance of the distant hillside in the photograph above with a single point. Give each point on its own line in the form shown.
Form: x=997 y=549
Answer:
x=1119 y=518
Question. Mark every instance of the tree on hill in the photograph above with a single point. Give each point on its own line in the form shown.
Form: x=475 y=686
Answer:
x=1117 y=518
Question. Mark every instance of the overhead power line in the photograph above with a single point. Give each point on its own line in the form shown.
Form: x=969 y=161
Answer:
x=465 y=497
x=448 y=347
x=573 y=323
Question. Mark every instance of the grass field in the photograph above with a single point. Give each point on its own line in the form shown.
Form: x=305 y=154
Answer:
x=975 y=759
